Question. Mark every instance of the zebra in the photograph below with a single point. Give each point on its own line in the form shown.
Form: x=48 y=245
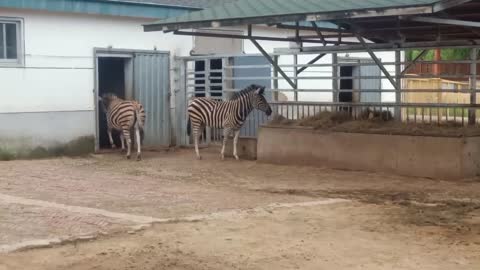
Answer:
x=229 y=115
x=124 y=116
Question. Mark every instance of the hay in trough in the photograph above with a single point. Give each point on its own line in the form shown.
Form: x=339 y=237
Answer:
x=377 y=123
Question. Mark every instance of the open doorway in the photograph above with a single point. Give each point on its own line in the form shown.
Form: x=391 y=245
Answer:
x=112 y=78
x=346 y=87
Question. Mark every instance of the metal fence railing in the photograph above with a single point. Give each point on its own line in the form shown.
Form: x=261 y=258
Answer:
x=338 y=81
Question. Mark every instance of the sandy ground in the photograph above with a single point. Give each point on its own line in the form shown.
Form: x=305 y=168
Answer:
x=211 y=214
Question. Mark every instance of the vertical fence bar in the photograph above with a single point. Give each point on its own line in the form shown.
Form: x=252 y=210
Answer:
x=208 y=130
x=473 y=85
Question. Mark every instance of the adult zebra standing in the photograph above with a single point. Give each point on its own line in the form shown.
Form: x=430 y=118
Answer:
x=124 y=116
x=229 y=115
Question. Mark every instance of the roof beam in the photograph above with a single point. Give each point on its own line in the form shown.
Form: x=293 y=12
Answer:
x=404 y=11
x=310 y=28
x=319 y=33
x=311 y=62
x=378 y=62
x=390 y=46
x=446 y=4
x=234 y=36
x=436 y=20
x=273 y=63
x=414 y=62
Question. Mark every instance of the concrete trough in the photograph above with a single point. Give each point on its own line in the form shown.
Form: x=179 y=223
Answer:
x=419 y=156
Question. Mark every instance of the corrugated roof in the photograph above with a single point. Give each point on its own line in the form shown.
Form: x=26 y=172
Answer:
x=183 y=3
x=245 y=9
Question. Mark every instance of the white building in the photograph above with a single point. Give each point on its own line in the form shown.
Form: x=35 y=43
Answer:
x=56 y=56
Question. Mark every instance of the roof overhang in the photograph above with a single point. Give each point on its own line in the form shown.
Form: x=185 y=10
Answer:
x=277 y=19
x=390 y=23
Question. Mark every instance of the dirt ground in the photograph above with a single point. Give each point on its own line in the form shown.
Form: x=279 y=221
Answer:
x=210 y=214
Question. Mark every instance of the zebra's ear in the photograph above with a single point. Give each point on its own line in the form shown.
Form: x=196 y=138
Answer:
x=260 y=91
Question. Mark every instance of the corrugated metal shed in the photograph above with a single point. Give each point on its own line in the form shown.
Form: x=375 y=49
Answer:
x=265 y=9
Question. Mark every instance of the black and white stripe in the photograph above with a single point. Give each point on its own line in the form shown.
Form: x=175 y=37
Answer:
x=124 y=116
x=229 y=115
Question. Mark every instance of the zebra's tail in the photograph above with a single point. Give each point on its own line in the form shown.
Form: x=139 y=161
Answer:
x=189 y=127
x=139 y=123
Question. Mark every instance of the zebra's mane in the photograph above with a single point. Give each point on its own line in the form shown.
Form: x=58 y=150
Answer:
x=251 y=88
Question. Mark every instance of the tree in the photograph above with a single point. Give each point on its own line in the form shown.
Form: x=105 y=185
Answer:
x=447 y=54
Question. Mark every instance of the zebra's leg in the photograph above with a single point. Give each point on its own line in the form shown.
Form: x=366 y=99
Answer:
x=235 y=142
x=226 y=133
x=126 y=134
x=122 y=138
x=196 y=134
x=109 y=131
x=139 y=147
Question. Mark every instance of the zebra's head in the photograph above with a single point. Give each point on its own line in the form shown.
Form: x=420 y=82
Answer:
x=108 y=99
x=259 y=101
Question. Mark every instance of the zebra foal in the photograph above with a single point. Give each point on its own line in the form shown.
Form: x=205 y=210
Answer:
x=229 y=115
x=124 y=116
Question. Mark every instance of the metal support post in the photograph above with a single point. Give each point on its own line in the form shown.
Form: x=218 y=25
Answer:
x=227 y=73
x=336 y=74
x=181 y=103
x=398 y=89
x=275 y=80
x=295 y=75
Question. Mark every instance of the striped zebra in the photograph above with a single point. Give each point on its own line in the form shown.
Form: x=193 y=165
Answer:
x=229 y=115
x=125 y=116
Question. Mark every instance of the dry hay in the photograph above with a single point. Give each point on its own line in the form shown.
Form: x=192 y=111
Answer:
x=376 y=123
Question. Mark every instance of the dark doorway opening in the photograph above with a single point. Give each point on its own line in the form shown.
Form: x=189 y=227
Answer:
x=346 y=84
x=111 y=79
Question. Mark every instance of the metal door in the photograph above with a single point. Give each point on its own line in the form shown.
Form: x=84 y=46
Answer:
x=256 y=118
x=151 y=88
x=370 y=84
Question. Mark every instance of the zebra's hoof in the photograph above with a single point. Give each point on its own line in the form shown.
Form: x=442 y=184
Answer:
x=222 y=157
x=199 y=157
x=237 y=158
x=128 y=157
x=139 y=157
x=114 y=146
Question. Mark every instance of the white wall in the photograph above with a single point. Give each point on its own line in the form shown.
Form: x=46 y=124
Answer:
x=58 y=73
